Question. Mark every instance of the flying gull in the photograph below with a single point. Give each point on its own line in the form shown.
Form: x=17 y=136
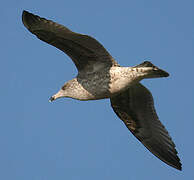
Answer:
x=100 y=76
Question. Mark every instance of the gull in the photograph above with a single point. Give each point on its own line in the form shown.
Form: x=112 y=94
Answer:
x=100 y=76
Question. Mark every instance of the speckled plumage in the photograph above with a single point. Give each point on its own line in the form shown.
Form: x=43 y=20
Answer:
x=100 y=76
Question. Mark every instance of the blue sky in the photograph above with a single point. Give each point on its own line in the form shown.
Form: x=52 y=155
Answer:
x=73 y=140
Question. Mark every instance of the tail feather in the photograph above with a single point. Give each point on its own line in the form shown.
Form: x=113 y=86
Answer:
x=145 y=64
x=151 y=70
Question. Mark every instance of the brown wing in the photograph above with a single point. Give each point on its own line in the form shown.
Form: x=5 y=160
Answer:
x=135 y=108
x=85 y=51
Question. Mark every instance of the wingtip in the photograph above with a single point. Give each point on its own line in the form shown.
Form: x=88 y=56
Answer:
x=24 y=14
x=176 y=163
x=179 y=166
x=28 y=19
x=24 y=11
x=24 y=18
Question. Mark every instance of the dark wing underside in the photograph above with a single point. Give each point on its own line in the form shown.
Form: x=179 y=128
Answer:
x=135 y=108
x=86 y=52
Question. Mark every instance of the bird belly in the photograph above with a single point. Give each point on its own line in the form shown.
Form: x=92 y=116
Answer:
x=121 y=79
x=106 y=84
x=121 y=84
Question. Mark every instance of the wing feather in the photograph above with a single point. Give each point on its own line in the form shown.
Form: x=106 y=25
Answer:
x=84 y=50
x=135 y=107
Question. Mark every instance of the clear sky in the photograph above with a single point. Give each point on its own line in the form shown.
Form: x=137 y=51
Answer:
x=73 y=140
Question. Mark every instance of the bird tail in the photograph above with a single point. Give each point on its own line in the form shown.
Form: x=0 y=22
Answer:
x=148 y=70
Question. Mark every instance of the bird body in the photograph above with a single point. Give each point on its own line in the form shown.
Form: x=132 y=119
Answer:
x=105 y=83
x=100 y=76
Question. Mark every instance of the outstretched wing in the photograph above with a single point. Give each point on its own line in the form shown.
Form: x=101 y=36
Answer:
x=86 y=52
x=135 y=107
